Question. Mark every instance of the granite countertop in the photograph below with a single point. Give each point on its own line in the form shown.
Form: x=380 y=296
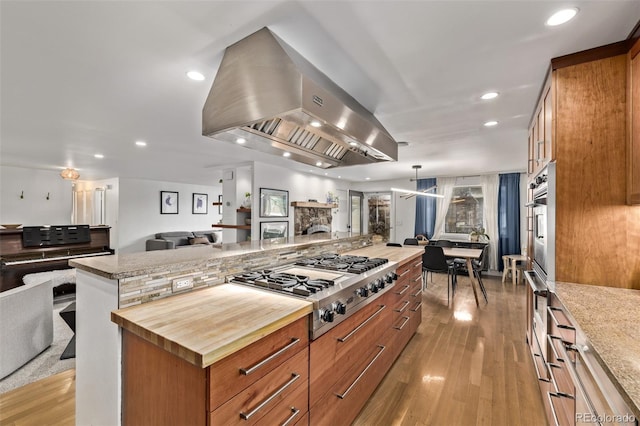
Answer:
x=204 y=326
x=126 y=265
x=610 y=319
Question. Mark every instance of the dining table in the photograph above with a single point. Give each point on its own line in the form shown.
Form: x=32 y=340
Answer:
x=468 y=255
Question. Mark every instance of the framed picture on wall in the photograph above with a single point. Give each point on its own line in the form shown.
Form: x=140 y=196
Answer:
x=199 y=204
x=168 y=202
x=274 y=203
x=270 y=230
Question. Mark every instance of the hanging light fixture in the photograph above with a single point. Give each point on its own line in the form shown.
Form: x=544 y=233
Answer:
x=69 y=174
x=425 y=192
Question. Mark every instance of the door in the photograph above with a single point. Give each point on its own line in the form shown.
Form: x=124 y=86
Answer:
x=355 y=208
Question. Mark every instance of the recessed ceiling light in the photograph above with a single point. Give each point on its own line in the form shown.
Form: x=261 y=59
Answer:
x=195 y=75
x=315 y=123
x=141 y=143
x=286 y=154
x=367 y=178
x=98 y=155
x=491 y=123
x=319 y=163
x=489 y=95
x=326 y=174
x=241 y=140
x=339 y=177
x=562 y=16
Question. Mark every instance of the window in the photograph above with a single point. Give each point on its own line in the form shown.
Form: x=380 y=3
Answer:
x=465 y=210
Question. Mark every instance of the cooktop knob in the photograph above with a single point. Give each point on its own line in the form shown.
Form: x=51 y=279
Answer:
x=362 y=292
x=326 y=315
x=340 y=308
x=373 y=287
x=381 y=283
x=389 y=278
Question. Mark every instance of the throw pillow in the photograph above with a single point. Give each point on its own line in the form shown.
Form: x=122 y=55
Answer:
x=199 y=240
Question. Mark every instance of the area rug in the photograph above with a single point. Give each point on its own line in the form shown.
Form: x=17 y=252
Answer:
x=48 y=362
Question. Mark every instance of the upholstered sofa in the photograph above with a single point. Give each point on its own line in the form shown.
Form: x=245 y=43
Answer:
x=182 y=239
x=26 y=315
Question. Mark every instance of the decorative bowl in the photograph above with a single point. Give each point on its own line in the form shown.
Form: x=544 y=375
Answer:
x=10 y=225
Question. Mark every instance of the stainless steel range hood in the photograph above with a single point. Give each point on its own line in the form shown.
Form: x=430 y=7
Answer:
x=267 y=95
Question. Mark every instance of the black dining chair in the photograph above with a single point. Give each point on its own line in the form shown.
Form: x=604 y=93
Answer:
x=394 y=245
x=410 y=242
x=434 y=260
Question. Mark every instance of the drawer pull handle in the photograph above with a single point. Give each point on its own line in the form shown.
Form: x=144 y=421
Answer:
x=417 y=307
x=417 y=293
x=551 y=311
x=247 y=371
x=551 y=366
x=343 y=395
x=406 y=287
x=416 y=264
x=404 y=306
x=355 y=330
x=247 y=416
x=406 y=320
x=550 y=339
x=294 y=412
x=405 y=272
x=553 y=409
x=535 y=365
x=418 y=279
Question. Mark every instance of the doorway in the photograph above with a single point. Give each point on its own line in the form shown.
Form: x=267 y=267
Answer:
x=355 y=208
x=379 y=211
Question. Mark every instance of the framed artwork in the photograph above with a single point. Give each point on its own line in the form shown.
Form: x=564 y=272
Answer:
x=274 y=203
x=270 y=230
x=220 y=204
x=200 y=204
x=168 y=202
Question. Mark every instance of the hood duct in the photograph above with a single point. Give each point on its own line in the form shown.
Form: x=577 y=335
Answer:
x=268 y=97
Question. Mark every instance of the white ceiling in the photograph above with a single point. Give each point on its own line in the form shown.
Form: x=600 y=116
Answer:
x=86 y=77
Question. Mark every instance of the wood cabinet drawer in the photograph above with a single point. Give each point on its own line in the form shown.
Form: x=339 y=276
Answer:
x=278 y=390
x=560 y=325
x=335 y=352
x=415 y=310
x=230 y=375
x=348 y=395
x=400 y=308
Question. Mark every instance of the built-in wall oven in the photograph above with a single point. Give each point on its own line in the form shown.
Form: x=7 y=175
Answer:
x=543 y=203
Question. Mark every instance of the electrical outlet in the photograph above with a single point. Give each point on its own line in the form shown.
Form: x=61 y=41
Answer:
x=181 y=284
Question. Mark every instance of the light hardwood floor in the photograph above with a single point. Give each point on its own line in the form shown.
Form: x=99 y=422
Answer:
x=466 y=365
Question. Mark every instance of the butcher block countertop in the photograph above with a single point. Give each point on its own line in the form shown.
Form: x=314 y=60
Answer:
x=394 y=254
x=610 y=319
x=204 y=326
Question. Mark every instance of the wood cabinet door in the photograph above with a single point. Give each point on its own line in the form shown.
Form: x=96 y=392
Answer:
x=633 y=161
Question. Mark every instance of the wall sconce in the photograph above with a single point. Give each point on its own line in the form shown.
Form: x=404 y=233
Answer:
x=69 y=174
x=22 y=195
x=48 y=196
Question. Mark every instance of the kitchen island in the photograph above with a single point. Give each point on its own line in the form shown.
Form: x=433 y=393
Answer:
x=159 y=334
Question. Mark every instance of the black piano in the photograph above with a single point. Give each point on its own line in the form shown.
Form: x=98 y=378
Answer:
x=46 y=248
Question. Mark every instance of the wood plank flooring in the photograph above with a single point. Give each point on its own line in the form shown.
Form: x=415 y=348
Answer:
x=466 y=365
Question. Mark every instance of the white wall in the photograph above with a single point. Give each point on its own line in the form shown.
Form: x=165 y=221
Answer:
x=301 y=187
x=34 y=209
x=139 y=216
x=112 y=205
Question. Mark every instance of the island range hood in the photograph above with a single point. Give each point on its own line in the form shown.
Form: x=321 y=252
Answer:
x=267 y=97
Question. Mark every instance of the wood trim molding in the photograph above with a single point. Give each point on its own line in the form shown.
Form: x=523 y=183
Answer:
x=594 y=54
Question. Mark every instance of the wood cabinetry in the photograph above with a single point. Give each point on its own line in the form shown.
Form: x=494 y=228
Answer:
x=349 y=361
x=597 y=235
x=541 y=149
x=266 y=382
x=633 y=150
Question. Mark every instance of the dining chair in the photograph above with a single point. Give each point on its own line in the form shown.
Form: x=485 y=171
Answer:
x=434 y=260
x=410 y=242
x=394 y=245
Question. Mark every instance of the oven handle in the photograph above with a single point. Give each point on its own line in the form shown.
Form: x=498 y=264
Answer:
x=538 y=288
x=355 y=330
x=343 y=395
x=247 y=371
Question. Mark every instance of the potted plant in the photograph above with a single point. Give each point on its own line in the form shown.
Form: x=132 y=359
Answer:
x=247 y=200
x=477 y=233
